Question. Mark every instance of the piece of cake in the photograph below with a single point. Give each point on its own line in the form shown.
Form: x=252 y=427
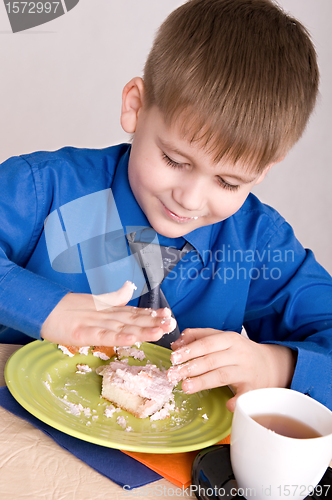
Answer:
x=103 y=352
x=71 y=350
x=130 y=352
x=80 y=368
x=140 y=390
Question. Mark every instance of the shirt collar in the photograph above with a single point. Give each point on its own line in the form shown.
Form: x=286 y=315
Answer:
x=131 y=214
x=129 y=210
x=200 y=239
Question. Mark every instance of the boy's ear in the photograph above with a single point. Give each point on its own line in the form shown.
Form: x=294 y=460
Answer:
x=132 y=101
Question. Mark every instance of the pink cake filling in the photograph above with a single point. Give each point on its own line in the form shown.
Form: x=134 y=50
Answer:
x=145 y=381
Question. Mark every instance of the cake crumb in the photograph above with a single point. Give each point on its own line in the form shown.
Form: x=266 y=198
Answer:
x=122 y=422
x=101 y=355
x=74 y=409
x=130 y=352
x=71 y=350
x=83 y=369
x=84 y=350
x=164 y=412
x=65 y=350
x=110 y=410
x=87 y=412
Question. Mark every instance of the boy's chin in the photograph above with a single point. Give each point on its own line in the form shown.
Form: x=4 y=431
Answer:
x=174 y=230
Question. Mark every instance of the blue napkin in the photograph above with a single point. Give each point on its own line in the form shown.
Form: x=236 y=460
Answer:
x=114 y=464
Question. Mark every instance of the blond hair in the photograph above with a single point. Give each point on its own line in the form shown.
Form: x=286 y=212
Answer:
x=239 y=76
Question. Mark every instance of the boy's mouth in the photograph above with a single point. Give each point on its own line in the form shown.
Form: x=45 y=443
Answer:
x=177 y=218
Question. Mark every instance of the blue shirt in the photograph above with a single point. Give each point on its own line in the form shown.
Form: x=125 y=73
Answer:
x=247 y=270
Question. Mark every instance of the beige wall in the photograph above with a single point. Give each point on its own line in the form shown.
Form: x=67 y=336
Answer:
x=61 y=85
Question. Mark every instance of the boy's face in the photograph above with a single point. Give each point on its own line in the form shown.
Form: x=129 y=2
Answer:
x=177 y=184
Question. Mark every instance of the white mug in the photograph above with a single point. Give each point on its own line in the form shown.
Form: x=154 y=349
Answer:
x=271 y=466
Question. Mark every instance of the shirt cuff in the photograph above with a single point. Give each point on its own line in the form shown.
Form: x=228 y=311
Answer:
x=313 y=370
x=27 y=299
x=313 y=374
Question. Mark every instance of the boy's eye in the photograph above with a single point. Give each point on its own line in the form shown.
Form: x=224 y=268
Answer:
x=226 y=185
x=170 y=162
x=221 y=182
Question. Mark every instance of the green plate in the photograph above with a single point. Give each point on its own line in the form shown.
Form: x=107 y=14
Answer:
x=44 y=381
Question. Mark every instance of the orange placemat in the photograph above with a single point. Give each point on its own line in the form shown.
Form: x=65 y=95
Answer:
x=176 y=467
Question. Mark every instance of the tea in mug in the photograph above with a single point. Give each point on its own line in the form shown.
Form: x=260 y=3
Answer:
x=286 y=426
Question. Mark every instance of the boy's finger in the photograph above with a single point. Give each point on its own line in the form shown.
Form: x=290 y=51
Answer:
x=230 y=405
x=125 y=336
x=132 y=317
x=184 y=339
x=201 y=347
x=201 y=365
x=160 y=313
x=118 y=298
x=221 y=377
x=189 y=335
x=242 y=388
x=129 y=336
x=148 y=332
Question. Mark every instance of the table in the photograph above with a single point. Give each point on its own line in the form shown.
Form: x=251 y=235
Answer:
x=56 y=474
x=33 y=466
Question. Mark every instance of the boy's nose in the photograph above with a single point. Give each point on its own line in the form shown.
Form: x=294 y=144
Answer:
x=191 y=195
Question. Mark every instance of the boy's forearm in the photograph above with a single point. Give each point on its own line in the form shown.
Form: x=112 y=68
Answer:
x=26 y=299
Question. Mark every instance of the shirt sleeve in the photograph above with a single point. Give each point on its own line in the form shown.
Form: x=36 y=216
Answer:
x=26 y=299
x=292 y=305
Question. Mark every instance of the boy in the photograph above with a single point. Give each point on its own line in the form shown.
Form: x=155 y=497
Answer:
x=228 y=88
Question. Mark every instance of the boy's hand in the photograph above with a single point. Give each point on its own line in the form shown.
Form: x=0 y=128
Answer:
x=81 y=319
x=213 y=358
